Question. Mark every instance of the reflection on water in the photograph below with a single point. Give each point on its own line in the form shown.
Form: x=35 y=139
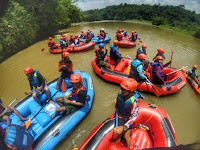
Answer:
x=183 y=107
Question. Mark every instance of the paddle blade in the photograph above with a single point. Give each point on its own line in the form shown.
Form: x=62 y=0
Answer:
x=157 y=90
x=28 y=123
x=64 y=86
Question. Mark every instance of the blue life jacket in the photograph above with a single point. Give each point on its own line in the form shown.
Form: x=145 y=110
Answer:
x=140 y=51
x=34 y=80
x=18 y=137
x=75 y=93
x=114 y=53
x=154 y=65
x=124 y=106
x=192 y=73
x=125 y=33
x=134 y=65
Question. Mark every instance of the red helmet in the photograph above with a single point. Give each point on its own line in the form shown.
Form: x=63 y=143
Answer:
x=76 y=36
x=133 y=31
x=161 y=51
x=144 y=45
x=129 y=84
x=65 y=54
x=115 y=42
x=82 y=31
x=142 y=56
x=28 y=70
x=88 y=31
x=159 y=58
x=75 y=78
x=50 y=38
x=195 y=66
x=71 y=35
x=122 y=30
x=61 y=38
x=119 y=30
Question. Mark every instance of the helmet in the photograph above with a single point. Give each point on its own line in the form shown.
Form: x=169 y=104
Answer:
x=101 y=45
x=142 y=56
x=28 y=70
x=115 y=42
x=159 y=58
x=71 y=35
x=122 y=30
x=102 y=29
x=75 y=78
x=129 y=84
x=144 y=45
x=76 y=36
x=161 y=50
x=65 y=54
x=61 y=38
x=88 y=31
x=50 y=38
x=119 y=30
x=82 y=31
x=133 y=31
x=195 y=66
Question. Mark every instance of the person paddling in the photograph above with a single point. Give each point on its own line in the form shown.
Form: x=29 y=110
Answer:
x=157 y=68
x=37 y=81
x=127 y=106
x=75 y=100
x=9 y=110
x=192 y=73
x=51 y=43
x=161 y=52
x=142 y=50
x=65 y=66
x=114 y=52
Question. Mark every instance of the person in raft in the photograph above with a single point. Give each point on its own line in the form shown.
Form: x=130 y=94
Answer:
x=88 y=37
x=142 y=50
x=65 y=66
x=102 y=34
x=101 y=61
x=127 y=106
x=114 y=52
x=82 y=36
x=4 y=115
x=51 y=43
x=125 y=33
x=136 y=71
x=63 y=44
x=157 y=67
x=72 y=39
x=192 y=73
x=74 y=100
x=161 y=52
x=36 y=81
x=77 y=40
x=119 y=36
x=134 y=36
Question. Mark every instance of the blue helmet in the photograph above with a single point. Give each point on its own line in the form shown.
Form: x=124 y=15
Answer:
x=101 y=45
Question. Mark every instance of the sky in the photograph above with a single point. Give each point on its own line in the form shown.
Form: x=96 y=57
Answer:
x=193 y=5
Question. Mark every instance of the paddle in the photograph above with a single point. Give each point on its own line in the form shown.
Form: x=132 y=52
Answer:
x=172 y=52
x=116 y=125
x=176 y=71
x=30 y=120
x=9 y=105
x=157 y=90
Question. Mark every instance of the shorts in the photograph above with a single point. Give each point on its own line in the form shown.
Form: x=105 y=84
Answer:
x=6 y=114
x=69 y=108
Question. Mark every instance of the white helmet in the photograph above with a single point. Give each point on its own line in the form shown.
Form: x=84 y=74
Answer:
x=102 y=29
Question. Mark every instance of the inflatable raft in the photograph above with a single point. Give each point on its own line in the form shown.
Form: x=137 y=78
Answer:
x=73 y=48
x=194 y=86
x=47 y=133
x=126 y=43
x=97 y=40
x=152 y=129
x=175 y=81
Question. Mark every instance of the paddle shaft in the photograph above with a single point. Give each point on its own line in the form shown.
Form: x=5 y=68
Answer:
x=44 y=105
x=10 y=104
x=176 y=70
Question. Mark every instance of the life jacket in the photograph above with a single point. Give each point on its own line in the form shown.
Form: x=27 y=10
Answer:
x=18 y=138
x=82 y=35
x=141 y=51
x=34 y=80
x=154 y=65
x=89 y=37
x=134 y=37
x=114 y=54
x=119 y=36
x=134 y=65
x=51 y=43
x=77 y=41
x=124 y=106
x=193 y=74
x=75 y=93
x=100 y=55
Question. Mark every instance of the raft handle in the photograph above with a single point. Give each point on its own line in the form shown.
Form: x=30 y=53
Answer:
x=56 y=132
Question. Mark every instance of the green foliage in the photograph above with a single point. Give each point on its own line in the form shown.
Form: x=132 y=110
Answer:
x=158 y=21
x=23 y=22
x=197 y=34
x=177 y=17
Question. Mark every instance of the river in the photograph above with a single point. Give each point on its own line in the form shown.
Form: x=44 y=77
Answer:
x=182 y=107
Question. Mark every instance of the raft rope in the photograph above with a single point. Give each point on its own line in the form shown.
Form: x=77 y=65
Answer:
x=153 y=105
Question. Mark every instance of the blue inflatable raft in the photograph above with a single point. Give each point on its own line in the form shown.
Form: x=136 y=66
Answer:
x=47 y=133
x=96 y=40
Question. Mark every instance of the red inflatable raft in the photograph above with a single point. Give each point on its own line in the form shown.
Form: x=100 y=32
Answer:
x=175 y=81
x=158 y=132
x=72 y=48
x=126 y=43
